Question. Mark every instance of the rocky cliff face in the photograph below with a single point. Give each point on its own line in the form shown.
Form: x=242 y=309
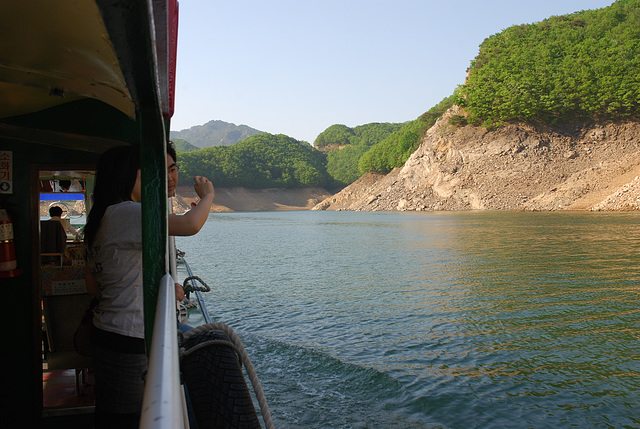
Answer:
x=516 y=167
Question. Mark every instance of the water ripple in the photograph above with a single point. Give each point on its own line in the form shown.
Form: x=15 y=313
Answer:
x=433 y=320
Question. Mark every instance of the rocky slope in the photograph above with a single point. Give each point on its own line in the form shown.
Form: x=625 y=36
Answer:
x=516 y=167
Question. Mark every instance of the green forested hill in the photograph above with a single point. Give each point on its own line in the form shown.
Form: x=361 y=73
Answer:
x=365 y=135
x=582 y=66
x=260 y=161
x=346 y=145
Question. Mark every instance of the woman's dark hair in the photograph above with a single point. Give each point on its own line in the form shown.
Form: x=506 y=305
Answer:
x=171 y=150
x=115 y=178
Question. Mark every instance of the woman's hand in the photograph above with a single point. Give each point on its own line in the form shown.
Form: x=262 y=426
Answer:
x=203 y=187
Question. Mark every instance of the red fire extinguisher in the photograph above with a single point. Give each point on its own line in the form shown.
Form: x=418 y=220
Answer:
x=7 y=247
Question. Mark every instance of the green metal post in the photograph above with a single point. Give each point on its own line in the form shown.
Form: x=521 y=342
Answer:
x=133 y=34
x=154 y=213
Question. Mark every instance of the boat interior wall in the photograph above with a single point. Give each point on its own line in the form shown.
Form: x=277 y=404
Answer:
x=57 y=55
x=22 y=319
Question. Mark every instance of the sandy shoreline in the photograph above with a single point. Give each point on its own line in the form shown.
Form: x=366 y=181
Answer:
x=252 y=200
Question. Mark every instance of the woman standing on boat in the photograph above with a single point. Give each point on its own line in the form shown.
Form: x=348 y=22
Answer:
x=113 y=255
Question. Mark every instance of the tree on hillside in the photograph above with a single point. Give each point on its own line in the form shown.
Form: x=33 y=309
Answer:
x=584 y=65
x=335 y=135
x=394 y=150
x=347 y=145
x=342 y=164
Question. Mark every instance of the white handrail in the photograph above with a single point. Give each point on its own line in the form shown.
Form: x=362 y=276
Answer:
x=162 y=406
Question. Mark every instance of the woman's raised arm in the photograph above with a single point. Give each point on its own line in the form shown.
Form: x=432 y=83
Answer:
x=192 y=221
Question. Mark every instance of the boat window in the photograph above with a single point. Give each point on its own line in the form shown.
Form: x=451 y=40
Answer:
x=65 y=198
x=71 y=192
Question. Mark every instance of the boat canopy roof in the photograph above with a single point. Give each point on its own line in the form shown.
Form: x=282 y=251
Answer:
x=75 y=67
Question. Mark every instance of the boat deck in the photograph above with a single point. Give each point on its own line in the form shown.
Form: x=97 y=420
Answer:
x=63 y=407
x=59 y=390
x=67 y=400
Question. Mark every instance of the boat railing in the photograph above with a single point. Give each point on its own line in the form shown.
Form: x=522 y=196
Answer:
x=163 y=405
x=191 y=279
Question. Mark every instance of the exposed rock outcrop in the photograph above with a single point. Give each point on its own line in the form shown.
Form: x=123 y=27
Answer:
x=515 y=167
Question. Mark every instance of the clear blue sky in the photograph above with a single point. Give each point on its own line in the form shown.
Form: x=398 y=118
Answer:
x=296 y=67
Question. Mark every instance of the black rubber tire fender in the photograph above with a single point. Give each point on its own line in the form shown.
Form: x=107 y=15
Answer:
x=215 y=383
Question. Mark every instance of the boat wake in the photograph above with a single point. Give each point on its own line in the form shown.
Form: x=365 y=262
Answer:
x=309 y=388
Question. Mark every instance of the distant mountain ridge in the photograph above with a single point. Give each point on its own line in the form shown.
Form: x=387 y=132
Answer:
x=181 y=145
x=215 y=133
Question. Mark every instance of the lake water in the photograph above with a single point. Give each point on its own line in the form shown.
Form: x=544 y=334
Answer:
x=423 y=320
